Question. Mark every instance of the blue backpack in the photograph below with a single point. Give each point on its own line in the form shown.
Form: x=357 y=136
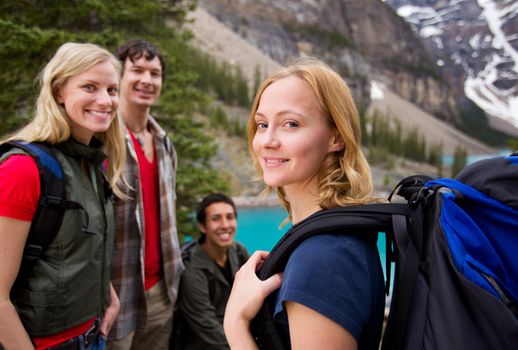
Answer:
x=454 y=243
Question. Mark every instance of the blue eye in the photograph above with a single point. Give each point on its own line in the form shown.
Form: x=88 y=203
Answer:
x=261 y=125
x=292 y=124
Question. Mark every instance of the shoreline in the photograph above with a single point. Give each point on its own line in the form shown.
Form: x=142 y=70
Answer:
x=271 y=200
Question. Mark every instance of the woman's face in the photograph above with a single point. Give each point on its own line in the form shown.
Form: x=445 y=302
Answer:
x=293 y=137
x=90 y=100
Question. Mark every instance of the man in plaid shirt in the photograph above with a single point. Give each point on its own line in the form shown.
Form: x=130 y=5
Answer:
x=147 y=261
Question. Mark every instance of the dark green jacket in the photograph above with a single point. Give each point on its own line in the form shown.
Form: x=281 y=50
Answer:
x=69 y=284
x=203 y=296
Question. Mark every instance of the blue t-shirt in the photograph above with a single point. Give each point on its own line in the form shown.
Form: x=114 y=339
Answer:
x=340 y=277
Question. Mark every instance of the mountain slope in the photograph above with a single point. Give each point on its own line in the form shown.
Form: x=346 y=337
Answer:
x=217 y=39
x=359 y=38
x=225 y=45
x=392 y=105
x=214 y=37
x=475 y=45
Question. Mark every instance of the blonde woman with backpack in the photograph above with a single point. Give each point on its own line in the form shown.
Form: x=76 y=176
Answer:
x=65 y=300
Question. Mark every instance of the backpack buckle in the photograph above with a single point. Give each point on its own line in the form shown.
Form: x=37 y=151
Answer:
x=420 y=196
x=33 y=251
x=49 y=200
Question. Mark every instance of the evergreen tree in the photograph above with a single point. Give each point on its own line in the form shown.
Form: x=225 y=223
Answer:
x=223 y=81
x=398 y=136
x=218 y=118
x=387 y=136
x=435 y=156
x=258 y=79
x=242 y=92
x=459 y=160
x=32 y=30
x=363 y=125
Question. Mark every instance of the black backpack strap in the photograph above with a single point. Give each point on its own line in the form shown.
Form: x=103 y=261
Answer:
x=167 y=143
x=409 y=241
x=368 y=219
x=49 y=214
x=360 y=218
x=51 y=205
x=408 y=265
x=186 y=250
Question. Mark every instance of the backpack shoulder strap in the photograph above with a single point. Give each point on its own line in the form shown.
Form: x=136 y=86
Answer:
x=368 y=219
x=168 y=144
x=49 y=213
x=359 y=218
x=186 y=250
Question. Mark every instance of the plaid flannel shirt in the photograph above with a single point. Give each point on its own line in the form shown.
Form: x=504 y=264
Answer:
x=128 y=258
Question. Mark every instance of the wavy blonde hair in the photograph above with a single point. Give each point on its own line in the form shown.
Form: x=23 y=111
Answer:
x=345 y=177
x=51 y=123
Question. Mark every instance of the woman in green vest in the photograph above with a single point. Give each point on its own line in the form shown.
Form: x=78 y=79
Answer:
x=65 y=300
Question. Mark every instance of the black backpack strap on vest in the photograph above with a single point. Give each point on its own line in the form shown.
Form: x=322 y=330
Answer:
x=49 y=215
x=359 y=219
x=51 y=205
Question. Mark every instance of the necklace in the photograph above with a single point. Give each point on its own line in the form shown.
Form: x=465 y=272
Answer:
x=139 y=131
x=137 y=135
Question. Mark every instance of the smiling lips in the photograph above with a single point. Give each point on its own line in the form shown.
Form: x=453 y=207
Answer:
x=225 y=236
x=144 y=91
x=274 y=161
x=100 y=114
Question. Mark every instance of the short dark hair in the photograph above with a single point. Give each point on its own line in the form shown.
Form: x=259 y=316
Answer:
x=201 y=212
x=134 y=49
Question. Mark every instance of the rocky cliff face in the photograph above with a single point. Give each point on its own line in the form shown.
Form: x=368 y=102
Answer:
x=362 y=39
x=475 y=46
x=232 y=159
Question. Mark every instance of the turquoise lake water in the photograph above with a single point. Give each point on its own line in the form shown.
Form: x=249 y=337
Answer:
x=258 y=228
x=448 y=159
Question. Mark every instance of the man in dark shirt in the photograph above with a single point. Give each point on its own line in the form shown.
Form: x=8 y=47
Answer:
x=211 y=264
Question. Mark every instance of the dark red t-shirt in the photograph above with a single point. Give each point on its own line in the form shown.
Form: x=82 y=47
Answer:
x=151 y=203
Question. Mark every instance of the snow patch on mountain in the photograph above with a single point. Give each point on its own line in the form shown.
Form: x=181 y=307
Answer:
x=376 y=92
x=479 y=45
x=480 y=87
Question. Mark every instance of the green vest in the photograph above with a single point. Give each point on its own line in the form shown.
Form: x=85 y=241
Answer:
x=69 y=284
